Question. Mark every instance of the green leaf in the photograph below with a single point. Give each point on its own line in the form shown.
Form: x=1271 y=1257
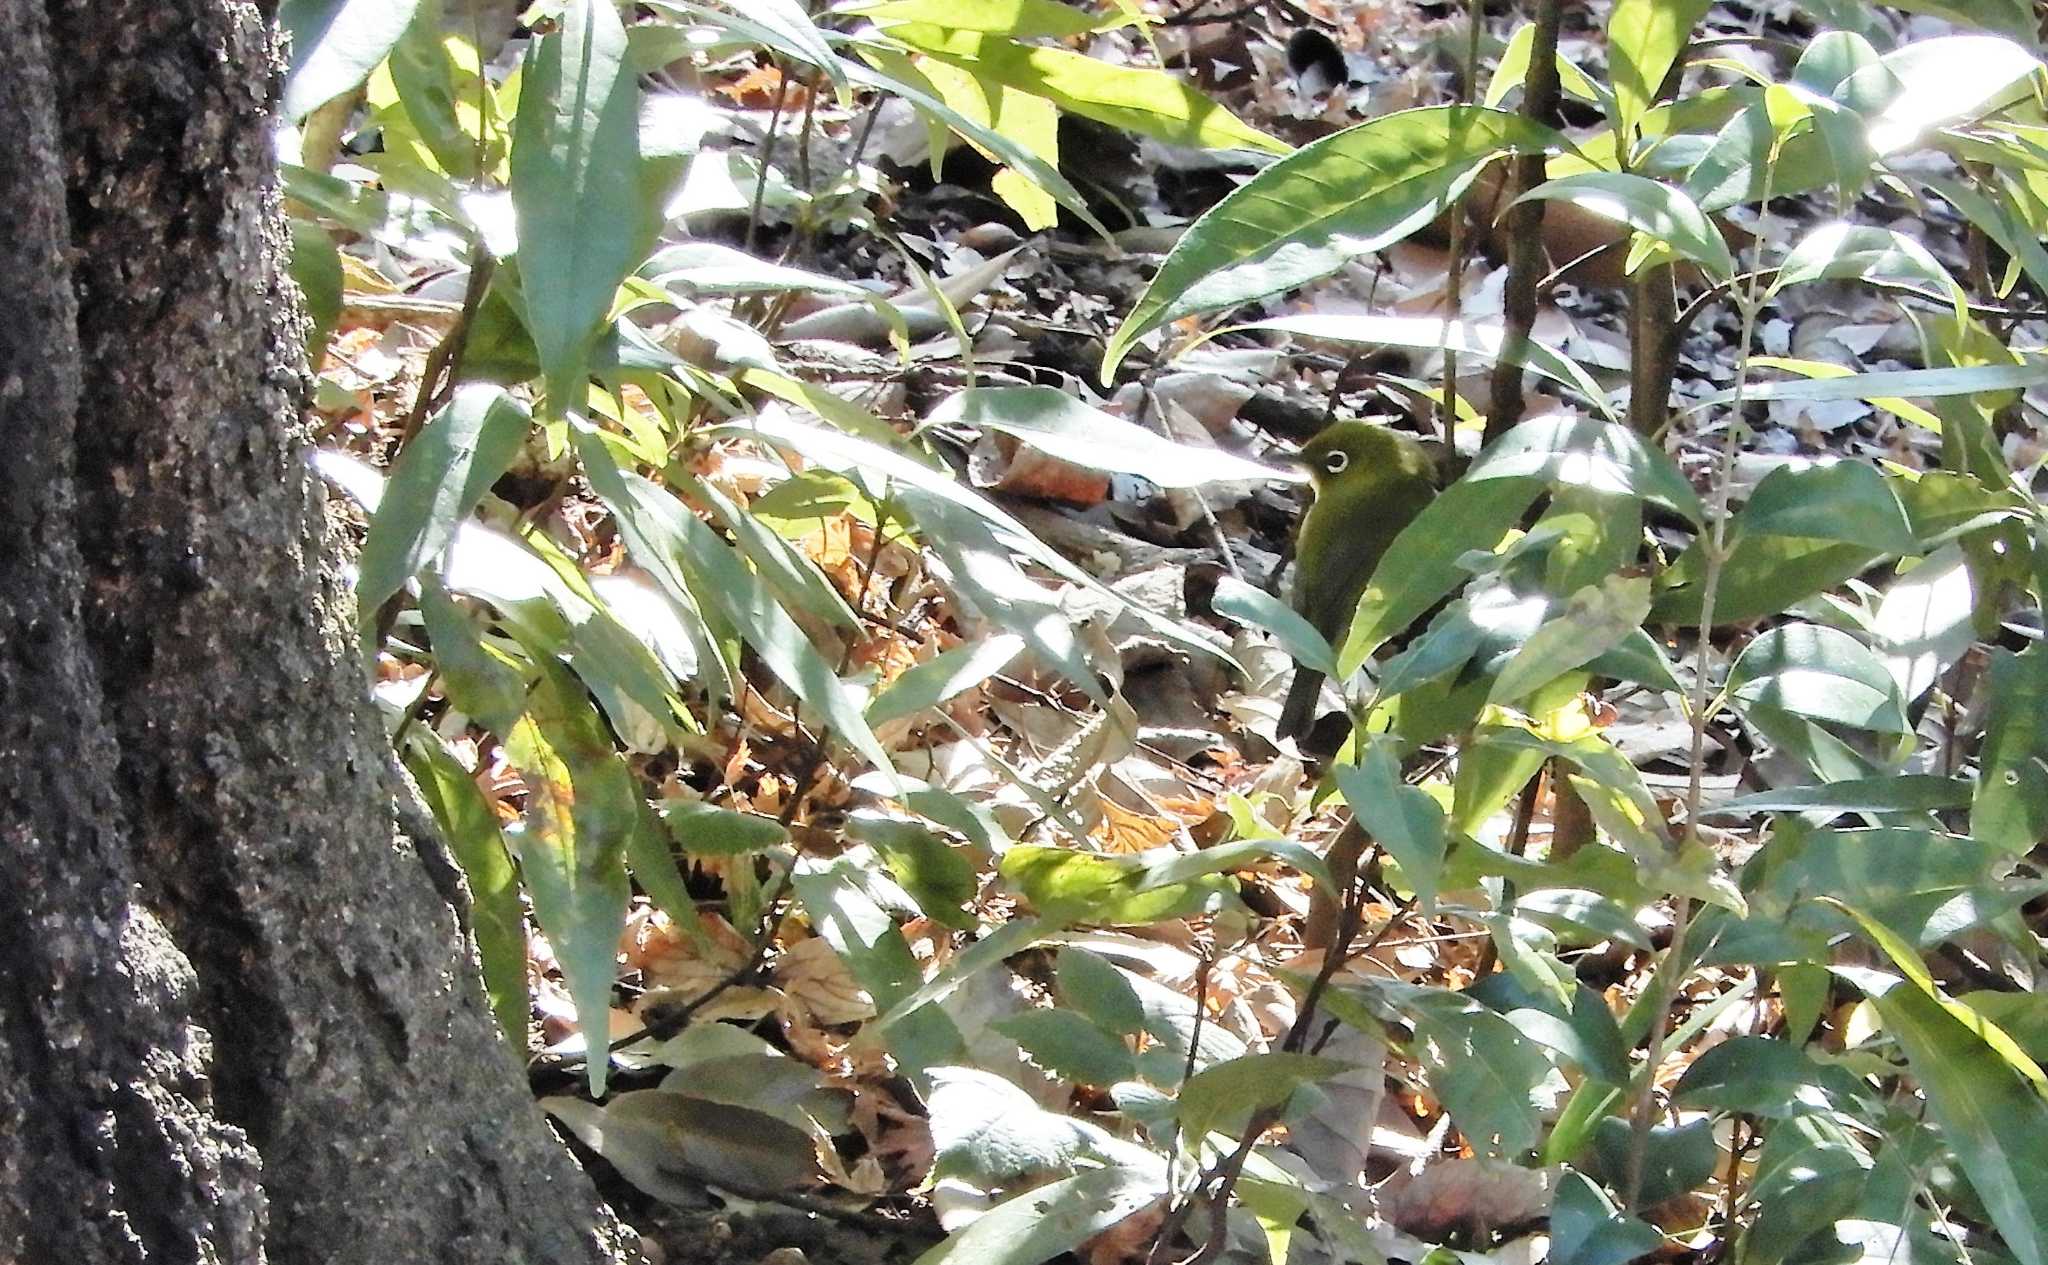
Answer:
x=581 y=807
x=865 y=937
x=1877 y=387
x=707 y=830
x=1906 y=792
x=1322 y=206
x=1427 y=333
x=1402 y=819
x=1011 y=938
x=496 y=917
x=1650 y=207
x=1764 y=1077
x=1225 y=1095
x=1070 y=1047
x=1821 y=673
x=708 y=268
x=438 y=480
x=1256 y=608
x=1170 y=867
x=1422 y=564
x=1062 y=426
x=1842 y=251
x=1763 y=575
x=1831 y=499
x=1587 y=1229
x=938 y=877
x=1587 y=452
x=1595 y=620
x=1947 y=78
x=1018 y=19
x=483 y=682
x=316 y=270
x=1040 y=1224
x=1484 y=1071
x=1644 y=40
x=1152 y=102
x=2011 y=805
x=943 y=676
x=583 y=222
x=791 y=21
x=335 y=45
x=1098 y=990
x=1984 y=1092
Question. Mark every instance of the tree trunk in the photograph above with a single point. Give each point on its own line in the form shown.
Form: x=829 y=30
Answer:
x=238 y=1017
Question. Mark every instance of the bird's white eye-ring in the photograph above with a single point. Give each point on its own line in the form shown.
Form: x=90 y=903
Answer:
x=1336 y=461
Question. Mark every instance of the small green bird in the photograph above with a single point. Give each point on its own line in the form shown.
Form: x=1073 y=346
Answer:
x=1370 y=482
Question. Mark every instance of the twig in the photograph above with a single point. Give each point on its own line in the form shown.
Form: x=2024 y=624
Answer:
x=443 y=370
x=767 y=157
x=1459 y=243
x=1524 y=227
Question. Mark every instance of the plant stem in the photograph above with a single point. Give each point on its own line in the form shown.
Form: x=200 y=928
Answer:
x=1524 y=224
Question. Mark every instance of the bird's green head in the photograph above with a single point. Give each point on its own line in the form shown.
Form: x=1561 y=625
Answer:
x=1361 y=453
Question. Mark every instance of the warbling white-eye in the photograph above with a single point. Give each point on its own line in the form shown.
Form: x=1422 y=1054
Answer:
x=1370 y=482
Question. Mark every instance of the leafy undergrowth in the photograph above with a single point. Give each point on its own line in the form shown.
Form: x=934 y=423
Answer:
x=858 y=730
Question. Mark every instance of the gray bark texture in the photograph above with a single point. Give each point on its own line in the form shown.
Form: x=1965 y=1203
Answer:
x=238 y=1019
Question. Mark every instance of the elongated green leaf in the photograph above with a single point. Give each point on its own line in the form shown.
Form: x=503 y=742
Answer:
x=316 y=270
x=335 y=46
x=940 y=878
x=1069 y=1046
x=1946 y=78
x=1896 y=382
x=712 y=268
x=1324 y=205
x=1644 y=40
x=1170 y=867
x=486 y=684
x=1986 y=1094
x=1011 y=938
x=1585 y=1226
x=2011 y=807
x=1832 y=499
x=1821 y=673
x=1589 y=453
x=1467 y=338
x=581 y=806
x=840 y=910
x=583 y=221
x=1763 y=576
x=496 y=917
x=1152 y=102
x=1650 y=207
x=1062 y=426
x=1223 y=1096
x=943 y=676
x=1484 y=1070
x=1234 y=599
x=1861 y=251
x=1402 y=819
x=1594 y=621
x=1911 y=792
x=1093 y=987
x=1421 y=565
x=1040 y=1224
x=1018 y=19
x=437 y=481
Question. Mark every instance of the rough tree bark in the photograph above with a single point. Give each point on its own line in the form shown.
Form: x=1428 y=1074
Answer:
x=238 y=1020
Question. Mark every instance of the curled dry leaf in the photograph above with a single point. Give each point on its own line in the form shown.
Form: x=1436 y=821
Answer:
x=816 y=978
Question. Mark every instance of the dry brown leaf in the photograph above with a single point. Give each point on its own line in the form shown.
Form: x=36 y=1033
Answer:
x=815 y=977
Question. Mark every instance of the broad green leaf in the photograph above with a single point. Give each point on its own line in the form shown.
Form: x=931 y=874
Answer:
x=1585 y=1226
x=496 y=917
x=437 y=481
x=1947 y=78
x=1597 y=915
x=335 y=45
x=1485 y=1072
x=1256 y=608
x=1043 y=1223
x=942 y=677
x=1923 y=621
x=1901 y=793
x=1644 y=40
x=1676 y=1158
x=1594 y=621
x=1588 y=453
x=707 y=830
x=988 y=1131
x=1998 y=222
x=1225 y=1095
x=1513 y=69
x=1656 y=210
x=1093 y=987
x=698 y=268
x=436 y=81
x=1812 y=1171
x=1763 y=1076
x=483 y=682
x=1322 y=206
x=1018 y=19
x=1029 y=122
x=2011 y=806
x=583 y=222
x=1842 y=251
x=1831 y=499
x=940 y=878
x=1403 y=819
x=1925 y=885
x=1062 y=426
x=1422 y=565
x=1764 y=575
x=1467 y=338
x=316 y=270
x=1987 y=1095
x=1070 y=1047
x=581 y=807
x=1152 y=102
x=1821 y=673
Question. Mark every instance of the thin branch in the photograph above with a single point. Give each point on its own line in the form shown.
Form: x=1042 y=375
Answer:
x=1524 y=226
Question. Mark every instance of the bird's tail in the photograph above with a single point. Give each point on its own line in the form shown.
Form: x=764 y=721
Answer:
x=1299 y=712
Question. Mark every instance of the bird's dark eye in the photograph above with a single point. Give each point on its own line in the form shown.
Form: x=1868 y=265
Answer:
x=1336 y=461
